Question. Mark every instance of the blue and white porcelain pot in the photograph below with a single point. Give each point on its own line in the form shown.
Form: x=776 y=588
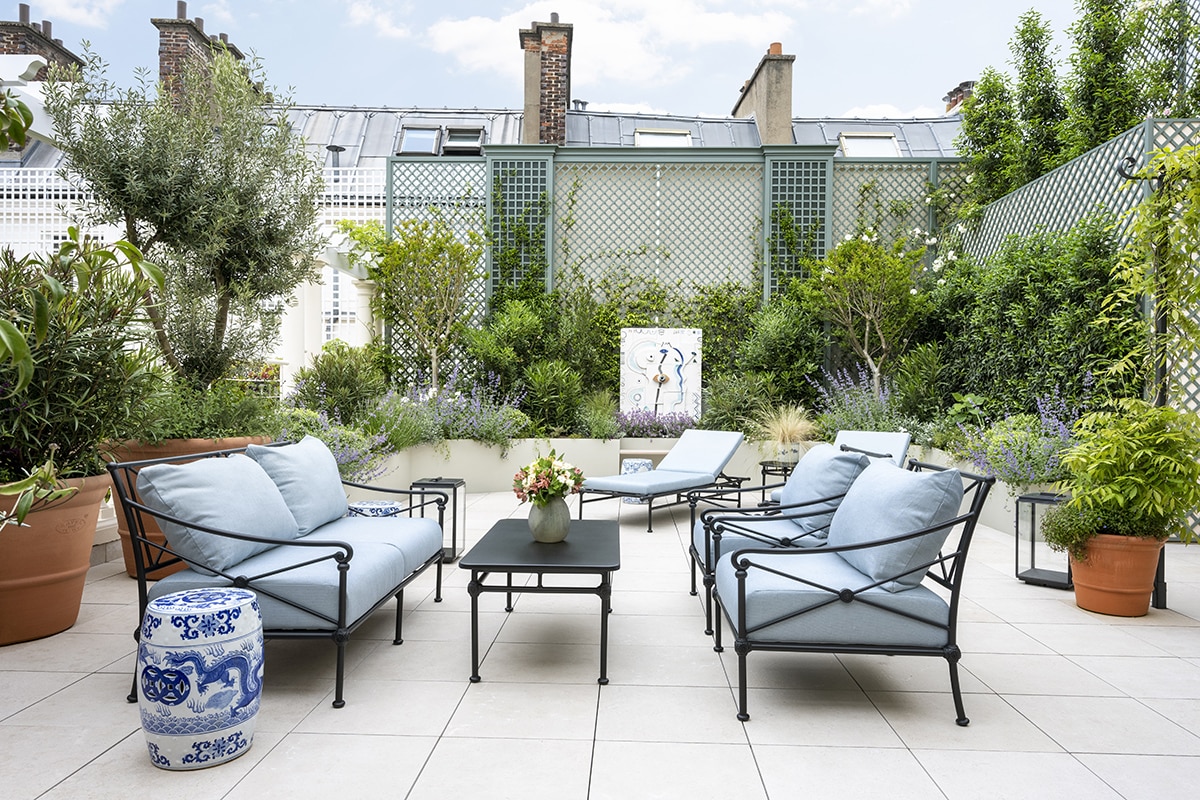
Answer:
x=200 y=667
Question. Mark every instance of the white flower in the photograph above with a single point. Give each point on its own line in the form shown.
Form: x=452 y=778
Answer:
x=847 y=237
x=931 y=241
x=941 y=282
x=961 y=228
x=912 y=290
x=928 y=200
x=970 y=178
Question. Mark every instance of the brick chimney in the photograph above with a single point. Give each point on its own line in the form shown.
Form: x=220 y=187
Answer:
x=955 y=98
x=547 y=47
x=182 y=38
x=29 y=38
x=767 y=96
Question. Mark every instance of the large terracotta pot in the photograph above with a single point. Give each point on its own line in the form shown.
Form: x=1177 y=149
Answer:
x=168 y=448
x=44 y=563
x=1117 y=577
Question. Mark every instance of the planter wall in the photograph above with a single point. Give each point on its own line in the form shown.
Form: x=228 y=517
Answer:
x=44 y=564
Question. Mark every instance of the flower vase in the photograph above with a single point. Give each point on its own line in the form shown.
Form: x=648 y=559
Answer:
x=550 y=522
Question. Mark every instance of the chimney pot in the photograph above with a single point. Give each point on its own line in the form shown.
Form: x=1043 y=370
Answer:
x=181 y=9
x=23 y=10
x=36 y=26
x=553 y=17
x=225 y=38
x=46 y=28
x=200 y=24
x=776 y=49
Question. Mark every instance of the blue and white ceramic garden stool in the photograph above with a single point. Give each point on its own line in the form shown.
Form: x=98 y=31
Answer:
x=200 y=666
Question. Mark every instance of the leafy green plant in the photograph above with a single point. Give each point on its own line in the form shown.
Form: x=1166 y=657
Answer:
x=15 y=120
x=555 y=396
x=1021 y=450
x=1141 y=459
x=598 y=415
x=78 y=311
x=360 y=455
x=342 y=382
x=786 y=340
x=849 y=401
x=175 y=409
x=402 y=420
x=732 y=400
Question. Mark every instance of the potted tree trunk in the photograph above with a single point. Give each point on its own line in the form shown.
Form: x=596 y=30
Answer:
x=1134 y=478
x=72 y=371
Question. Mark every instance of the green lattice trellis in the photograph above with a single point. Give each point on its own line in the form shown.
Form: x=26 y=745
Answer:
x=520 y=219
x=797 y=216
x=681 y=220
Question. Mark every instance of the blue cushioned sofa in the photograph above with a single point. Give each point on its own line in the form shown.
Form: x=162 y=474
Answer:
x=273 y=519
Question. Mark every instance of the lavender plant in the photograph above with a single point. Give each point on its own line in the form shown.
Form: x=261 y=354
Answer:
x=651 y=425
x=1024 y=449
x=360 y=455
x=849 y=400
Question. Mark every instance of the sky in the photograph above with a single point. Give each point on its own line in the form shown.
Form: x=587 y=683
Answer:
x=864 y=58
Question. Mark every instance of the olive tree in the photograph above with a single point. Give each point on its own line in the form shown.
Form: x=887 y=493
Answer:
x=208 y=181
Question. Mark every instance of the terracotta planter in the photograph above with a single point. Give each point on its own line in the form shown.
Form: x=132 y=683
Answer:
x=140 y=451
x=44 y=564
x=1117 y=577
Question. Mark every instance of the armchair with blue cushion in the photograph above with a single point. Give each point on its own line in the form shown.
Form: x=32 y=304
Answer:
x=806 y=501
x=865 y=590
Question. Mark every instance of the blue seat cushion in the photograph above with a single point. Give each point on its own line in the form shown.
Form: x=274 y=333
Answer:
x=307 y=476
x=376 y=569
x=232 y=494
x=417 y=538
x=803 y=619
x=887 y=501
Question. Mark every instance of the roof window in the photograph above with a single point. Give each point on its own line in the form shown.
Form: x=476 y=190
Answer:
x=861 y=144
x=420 y=140
x=661 y=137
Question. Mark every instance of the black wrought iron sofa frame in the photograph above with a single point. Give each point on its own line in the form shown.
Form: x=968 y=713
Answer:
x=153 y=556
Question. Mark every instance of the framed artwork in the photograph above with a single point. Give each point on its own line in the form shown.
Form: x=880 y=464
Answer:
x=660 y=370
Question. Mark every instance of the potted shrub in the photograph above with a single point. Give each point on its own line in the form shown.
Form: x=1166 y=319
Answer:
x=784 y=428
x=1134 y=476
x=73 y=373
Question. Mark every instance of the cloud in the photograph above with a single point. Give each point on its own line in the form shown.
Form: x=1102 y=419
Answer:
x=88 y=13
x=617 y=44
x=378 y=17
x=217 y=12
x=888 y=111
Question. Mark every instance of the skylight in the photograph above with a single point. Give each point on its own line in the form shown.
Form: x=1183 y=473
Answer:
x=658 y=137
x=420 y=140
x=861 y=144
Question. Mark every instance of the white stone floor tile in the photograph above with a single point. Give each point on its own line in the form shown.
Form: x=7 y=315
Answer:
x=1062 y=702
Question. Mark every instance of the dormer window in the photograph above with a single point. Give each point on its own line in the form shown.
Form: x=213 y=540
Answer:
x=861 y=144
x=660 y=137
x=420 y=140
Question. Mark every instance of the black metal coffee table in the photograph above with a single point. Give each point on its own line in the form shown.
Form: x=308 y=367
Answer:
x=593 y=547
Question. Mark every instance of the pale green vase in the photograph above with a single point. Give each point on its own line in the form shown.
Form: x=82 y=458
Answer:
x=549 y=523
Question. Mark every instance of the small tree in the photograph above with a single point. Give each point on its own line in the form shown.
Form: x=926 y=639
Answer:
x=1104 y=96
x=868 y=294
x=990 y=139
x=210 y=183
x=423 y=276
x=1040 y=104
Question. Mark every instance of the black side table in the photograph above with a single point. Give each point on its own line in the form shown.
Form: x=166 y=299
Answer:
x=775 y=469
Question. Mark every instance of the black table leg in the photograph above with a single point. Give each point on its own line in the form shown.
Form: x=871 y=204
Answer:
x=473 y=590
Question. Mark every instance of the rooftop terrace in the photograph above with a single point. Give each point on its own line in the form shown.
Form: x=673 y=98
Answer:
x=1062 y=702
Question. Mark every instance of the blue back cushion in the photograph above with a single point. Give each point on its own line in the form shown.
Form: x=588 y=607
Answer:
x=307 y=476
x=824 y=471
x=232 y=494
x=888 y=501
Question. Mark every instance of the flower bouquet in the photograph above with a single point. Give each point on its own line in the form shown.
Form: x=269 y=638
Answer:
x=547 y=477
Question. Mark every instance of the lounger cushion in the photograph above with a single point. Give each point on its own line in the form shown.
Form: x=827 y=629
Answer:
x=776 y=597
x=888 y=501
x=648 y=484
x=824 y=471
x=232 y=494
x=307 y=476
x=706 y=452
